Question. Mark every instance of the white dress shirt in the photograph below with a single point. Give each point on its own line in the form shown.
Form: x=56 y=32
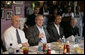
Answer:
x=41 y=30
x=57 y=27
x=10 y=37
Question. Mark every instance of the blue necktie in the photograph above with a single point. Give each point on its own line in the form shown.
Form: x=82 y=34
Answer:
x=18 y=37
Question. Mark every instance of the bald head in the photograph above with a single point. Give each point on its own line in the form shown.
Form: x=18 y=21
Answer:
x=73 y=22
x=15 y=17
x=15 y=21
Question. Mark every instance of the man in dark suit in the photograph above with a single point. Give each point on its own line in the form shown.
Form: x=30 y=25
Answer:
x=37 y=32
x=72 y=29
x=55 y=30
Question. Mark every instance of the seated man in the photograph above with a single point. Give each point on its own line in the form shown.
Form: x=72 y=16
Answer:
x=13 y=35
x=55 y=30
x=37 y=32
x=72 y=29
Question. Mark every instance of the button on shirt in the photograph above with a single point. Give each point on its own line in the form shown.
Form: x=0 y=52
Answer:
x=41 y=30
x=57 y=27
x=10 y=37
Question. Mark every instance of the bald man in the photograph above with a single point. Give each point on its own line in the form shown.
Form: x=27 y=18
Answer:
x=37 y=32
x=13 y=35
x=55 y=30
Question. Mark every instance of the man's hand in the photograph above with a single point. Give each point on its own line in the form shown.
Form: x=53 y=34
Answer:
x=59 y=40
x=25 y=44
x=41 y=35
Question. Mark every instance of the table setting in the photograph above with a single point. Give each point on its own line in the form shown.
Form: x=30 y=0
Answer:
x=75 y=47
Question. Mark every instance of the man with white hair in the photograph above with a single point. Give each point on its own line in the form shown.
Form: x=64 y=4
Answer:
x=72 y=29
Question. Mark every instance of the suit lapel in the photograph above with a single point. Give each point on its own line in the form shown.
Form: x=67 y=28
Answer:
x=36 y=29
x=55 y=29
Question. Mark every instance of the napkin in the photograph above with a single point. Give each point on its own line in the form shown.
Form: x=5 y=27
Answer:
x=75 y=45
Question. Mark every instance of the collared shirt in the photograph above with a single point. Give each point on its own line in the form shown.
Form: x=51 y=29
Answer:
x=10 y=37
x=41 y=30
x=57 y=27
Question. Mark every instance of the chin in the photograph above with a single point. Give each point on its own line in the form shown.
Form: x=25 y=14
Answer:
x=40 y=25
x=18 y=26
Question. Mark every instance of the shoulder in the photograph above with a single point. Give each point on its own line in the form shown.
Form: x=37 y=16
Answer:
x=8 y=30
x=61 y=27
x=51 y=25
x=32 y=28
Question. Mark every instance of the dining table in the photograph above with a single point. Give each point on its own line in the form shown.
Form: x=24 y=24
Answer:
x=55 y=49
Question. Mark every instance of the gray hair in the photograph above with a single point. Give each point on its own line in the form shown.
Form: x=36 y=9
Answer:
x=74 y=19
x=38 y=16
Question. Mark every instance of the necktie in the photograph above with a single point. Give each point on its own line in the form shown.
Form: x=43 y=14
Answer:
x=18 y=37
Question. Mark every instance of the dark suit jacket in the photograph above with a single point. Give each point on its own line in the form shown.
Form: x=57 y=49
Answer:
x=54 y=36
x=32 y=35
x=71 y=31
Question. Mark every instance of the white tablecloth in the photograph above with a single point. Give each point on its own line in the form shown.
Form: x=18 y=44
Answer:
x=34 y=49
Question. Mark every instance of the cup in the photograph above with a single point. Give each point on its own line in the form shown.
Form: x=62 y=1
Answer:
x=25 y=50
